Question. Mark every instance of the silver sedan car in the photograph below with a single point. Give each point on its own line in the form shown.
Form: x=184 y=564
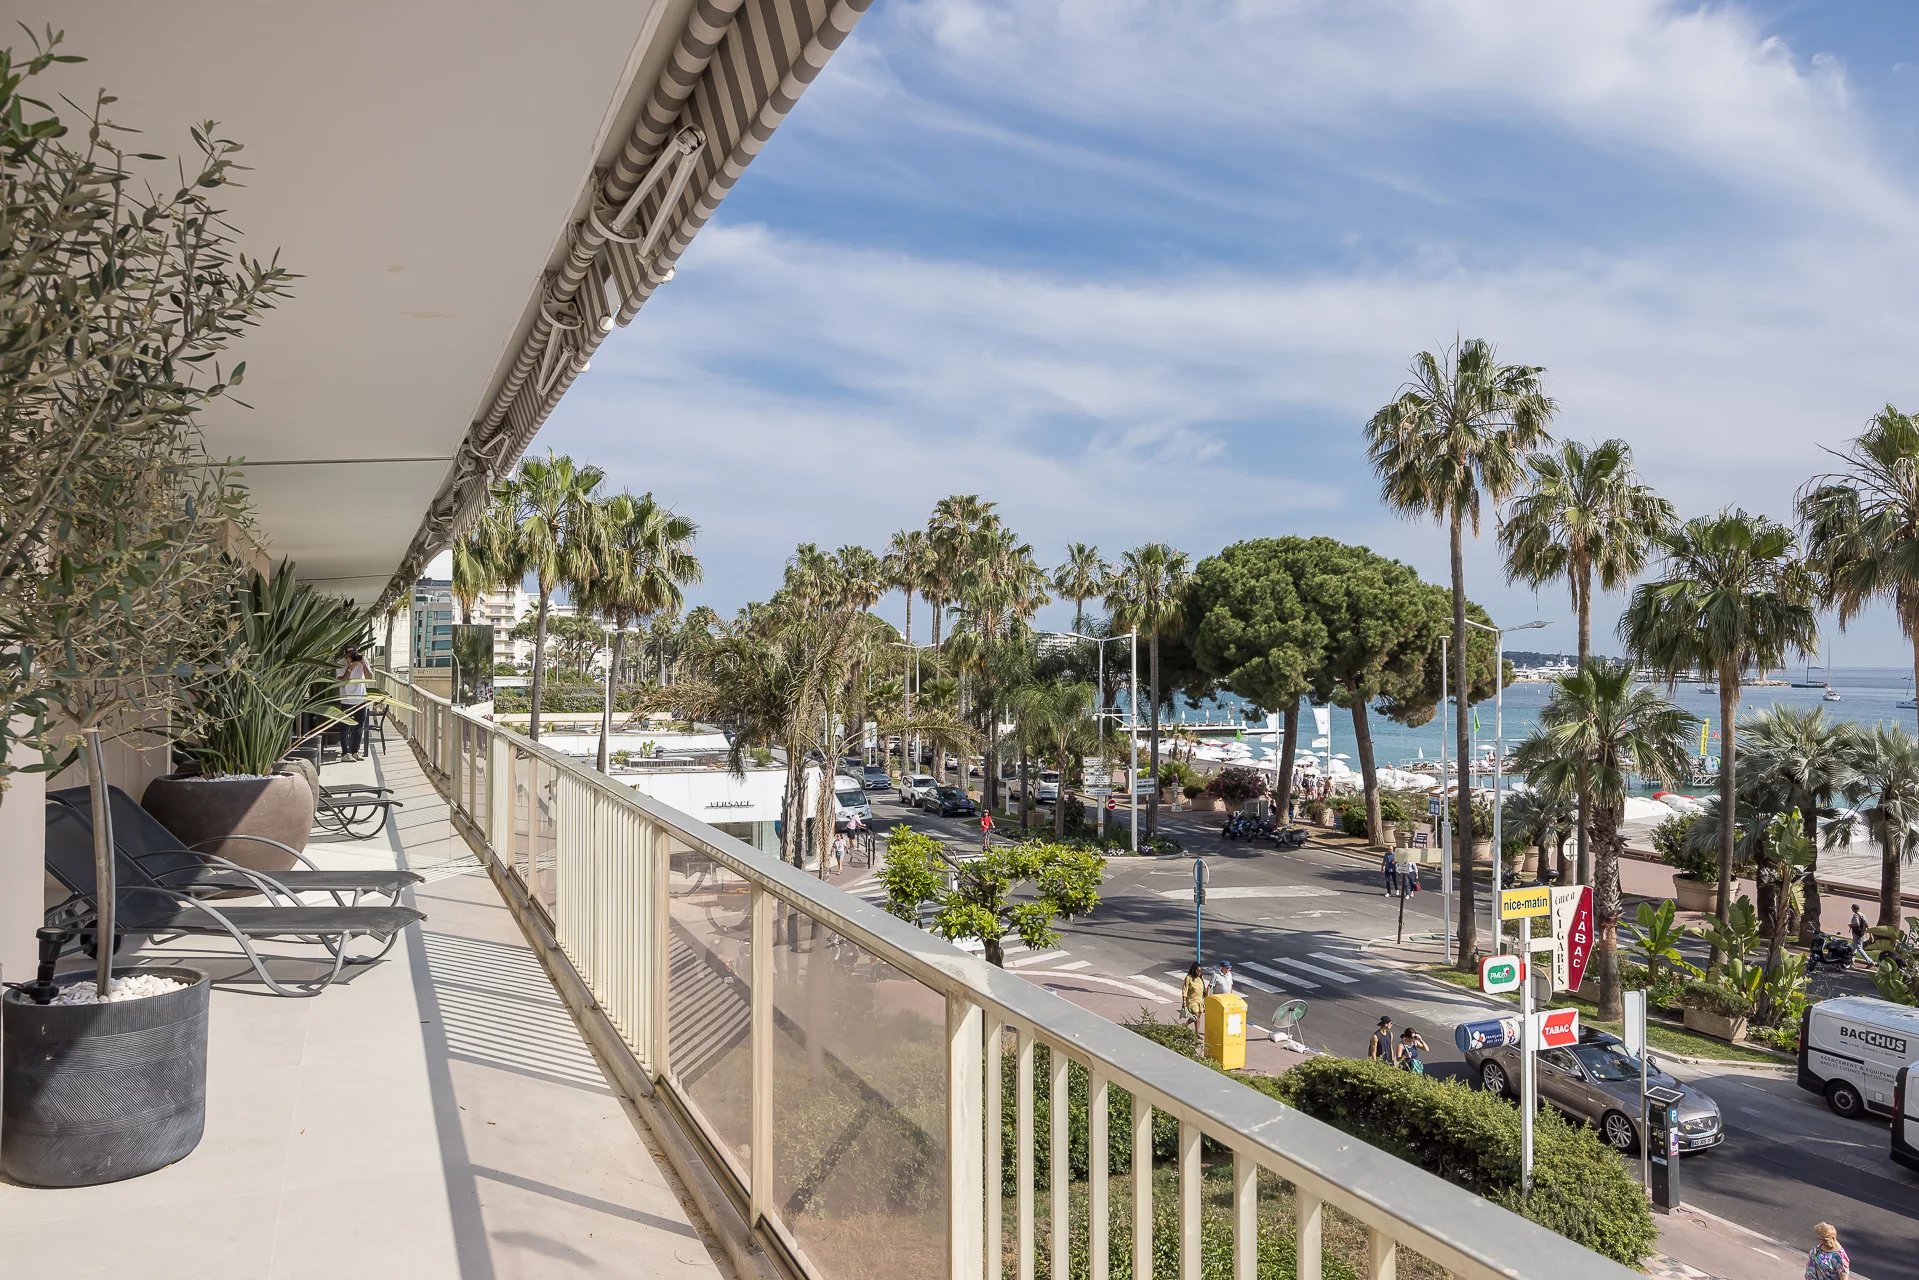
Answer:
x=1597 y=1081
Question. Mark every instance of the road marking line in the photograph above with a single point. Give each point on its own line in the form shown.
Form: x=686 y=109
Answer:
x=1255 y=984
x=1292 y=978
x=1157 y=985
x=1023 y=961
x=1069 y=968
x=1354 y=965
x=1313 y=968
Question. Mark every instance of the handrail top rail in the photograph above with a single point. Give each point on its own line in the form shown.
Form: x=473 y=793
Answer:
x=1447 y=1224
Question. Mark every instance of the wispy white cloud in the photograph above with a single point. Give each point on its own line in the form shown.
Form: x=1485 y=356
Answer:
x=799 y=383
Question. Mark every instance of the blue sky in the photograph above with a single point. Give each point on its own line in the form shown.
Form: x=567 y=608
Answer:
x=1139 y=269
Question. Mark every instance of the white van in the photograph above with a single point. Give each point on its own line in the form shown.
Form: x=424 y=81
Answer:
x=1851 y=1050
x=1905 y=1116
x=849 y=798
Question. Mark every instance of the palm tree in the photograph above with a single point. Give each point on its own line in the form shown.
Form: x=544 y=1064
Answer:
x=1059 y=720
x=649 y=559
x=1585 y=516
x=1599 y=718
x=485 y=556
x=1885 y=789
x=1862 y=524
x=1543 y=818
x=908 y=563
x=558 y=539
x=1081 y=578
x=956 y=523
x=1458 y=430
x=1793 y=761
x=1146 y=593
x=1731 y=597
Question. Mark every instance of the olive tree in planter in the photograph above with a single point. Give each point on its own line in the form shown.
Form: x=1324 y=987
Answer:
x=278 y=663
x=115 y=298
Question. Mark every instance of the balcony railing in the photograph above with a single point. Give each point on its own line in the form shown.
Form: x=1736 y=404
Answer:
x=836 y=1069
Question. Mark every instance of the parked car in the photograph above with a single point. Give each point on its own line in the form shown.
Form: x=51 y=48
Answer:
x=949 y=802
x=875 y=778
x=1597 y=1081
x=852 y=766
x=915 y=787
x=1851 y=1050
x=849 y=798
x=1046 y=790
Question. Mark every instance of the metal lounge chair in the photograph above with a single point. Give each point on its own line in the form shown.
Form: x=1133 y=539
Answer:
x=144 y=906
x=356 y=810
x=171 y=863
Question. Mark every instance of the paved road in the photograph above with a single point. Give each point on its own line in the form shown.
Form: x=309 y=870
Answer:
x=1297 y=925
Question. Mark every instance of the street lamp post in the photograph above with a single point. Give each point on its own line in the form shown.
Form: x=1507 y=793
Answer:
x=1499 y=758
x=1132 y=695
x=908 y=767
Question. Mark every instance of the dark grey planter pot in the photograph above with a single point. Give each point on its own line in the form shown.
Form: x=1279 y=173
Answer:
x=102 y=1092
x=200 y=810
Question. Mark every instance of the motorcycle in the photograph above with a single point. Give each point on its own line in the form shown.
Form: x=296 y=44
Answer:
x=1289 y=838
x=1832 y=949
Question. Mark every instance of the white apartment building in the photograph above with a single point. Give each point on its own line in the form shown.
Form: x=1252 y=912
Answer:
x=505 y=609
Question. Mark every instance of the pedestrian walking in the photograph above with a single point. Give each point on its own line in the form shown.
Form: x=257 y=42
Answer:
x=1858 y=926
x=353 y=673
x=1827 y=1261
x=1192 y=995
x=1409 y=877
x=839 y=849
x=1381 y=1049
x=1222 y=984
x=1390 y=872
x=1411 y=1045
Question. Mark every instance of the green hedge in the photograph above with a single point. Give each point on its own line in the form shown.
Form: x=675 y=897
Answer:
x=1580 y=1188
x=565 y=698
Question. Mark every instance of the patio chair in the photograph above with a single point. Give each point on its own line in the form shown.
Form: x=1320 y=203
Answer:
x=172 y=863
x=144 y=906
x=355 y=810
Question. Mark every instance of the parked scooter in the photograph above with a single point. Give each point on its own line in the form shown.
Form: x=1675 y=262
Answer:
x=1835 y=950
x=1289 y=838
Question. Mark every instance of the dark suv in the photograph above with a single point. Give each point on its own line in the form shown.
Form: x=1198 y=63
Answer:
x=948 y=802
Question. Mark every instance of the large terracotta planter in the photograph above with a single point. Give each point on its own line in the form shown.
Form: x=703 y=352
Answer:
x=1529 y=863
x=1483 y=851
x=1388 y=835
x=1695 y=895
x=279 y=807
x=1731 y=1030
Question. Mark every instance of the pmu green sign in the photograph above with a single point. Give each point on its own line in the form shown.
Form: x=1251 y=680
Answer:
x=1498 y=974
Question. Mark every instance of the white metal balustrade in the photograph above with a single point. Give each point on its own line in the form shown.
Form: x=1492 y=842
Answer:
x=839 y=1070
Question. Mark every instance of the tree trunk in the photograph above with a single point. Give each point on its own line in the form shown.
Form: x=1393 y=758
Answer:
x=1810 y=908
x=934 y=602
x=995 y=954
x=1889 y=880
x=1289 y=747
x=539 y=662
x=907 y=748
x=1059 y=800
x=1607 y=908
x=1026 y=789
x=1152 y=804
x=612 y=680
x=1463 y=820
x=1582 y=590
x=1368 y=774
x=1728 y=802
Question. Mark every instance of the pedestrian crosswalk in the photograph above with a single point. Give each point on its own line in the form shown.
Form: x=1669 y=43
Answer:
x=1286 y=975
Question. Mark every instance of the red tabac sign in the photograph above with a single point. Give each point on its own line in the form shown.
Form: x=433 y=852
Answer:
x=1572 y=935
x=1558 y=1028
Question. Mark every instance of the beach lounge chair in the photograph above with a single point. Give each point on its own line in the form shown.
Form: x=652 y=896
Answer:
x=170 y=862
x=144 y=906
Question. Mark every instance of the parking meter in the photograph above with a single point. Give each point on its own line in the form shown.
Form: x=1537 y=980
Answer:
x=1662 y=1146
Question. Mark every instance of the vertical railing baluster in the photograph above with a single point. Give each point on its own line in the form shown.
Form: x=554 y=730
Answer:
x=1308 y=1216
x=1382 y=1255
x=965 y=1136
x=1142 y=1187
x=1190 y=1207
x=1098 y=1217
x=1023 y=1156
x=1059 y=1166
x=759 y=1187
x=1245 y=1217
x=995 y=1166
x=659 y=925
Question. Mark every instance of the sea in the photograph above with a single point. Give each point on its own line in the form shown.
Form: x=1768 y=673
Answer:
x=1868 y=697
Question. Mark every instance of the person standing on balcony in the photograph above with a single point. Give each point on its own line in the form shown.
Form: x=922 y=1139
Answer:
x=353 y=673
